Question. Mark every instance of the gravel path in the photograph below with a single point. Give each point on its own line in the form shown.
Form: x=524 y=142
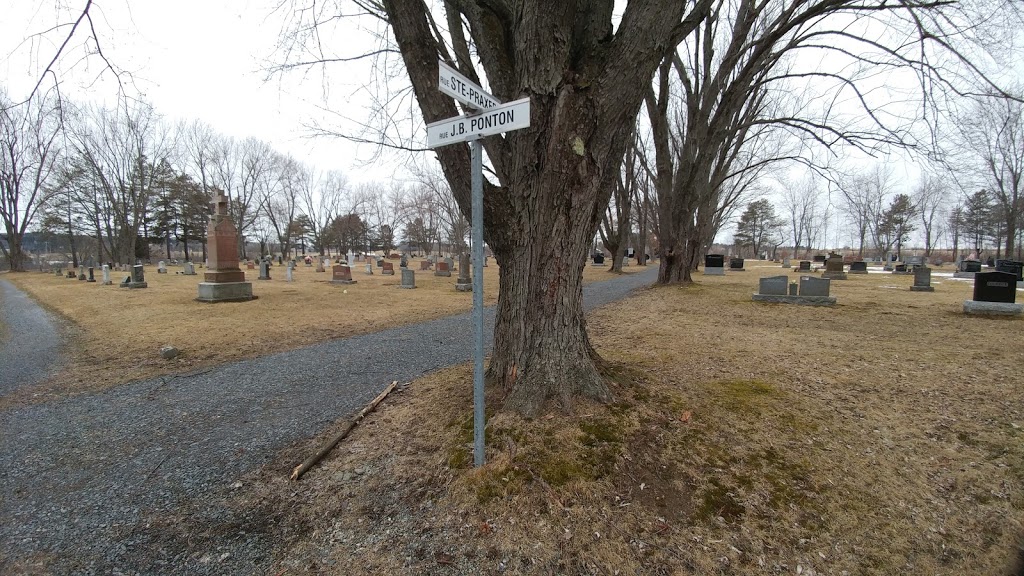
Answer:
x=84 y=481
x=31 y=351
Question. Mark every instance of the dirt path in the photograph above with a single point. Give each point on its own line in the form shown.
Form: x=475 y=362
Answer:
x=29 y=341
x=85 y=481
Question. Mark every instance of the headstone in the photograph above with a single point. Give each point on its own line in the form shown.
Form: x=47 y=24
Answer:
x=91 y=277
x=794 y=289
x=995 y=287
x=994 y=293
x=834 y=268
x=714 y=265
x=923 y=279
x=811 y=286
x=81 y=273
x=773 y=285
x=341 y=274
x=442 y=269
x=387 y=269
x=189 y=269
x=250 y=266
x=223 y=281
x=280 y=260
x=913 y=261
x=351 y=259
x=264 y=270
x=786 y=263
x=900 y=269
x=424 y=265
x=736 y=264
x=288 y=275
x=161 y=267
x=404 y=263
x=408 y=279
x=598 y=259
x=106 y=275
x=464 y=283
x=805 y=266
x=450 y=263
x=859 y=267
x=970 y=266
x=820 y=257
x=319 y=264
x=369 y=268
x=991 y=262
x=137 y=279
x=380 y=262
x=1011 y=267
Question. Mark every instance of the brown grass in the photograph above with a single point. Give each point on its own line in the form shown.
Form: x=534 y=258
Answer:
x=118 y=332
x=883 y=436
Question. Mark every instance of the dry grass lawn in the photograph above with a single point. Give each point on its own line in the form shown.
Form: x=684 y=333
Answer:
x=118 y=332
x=882 y=436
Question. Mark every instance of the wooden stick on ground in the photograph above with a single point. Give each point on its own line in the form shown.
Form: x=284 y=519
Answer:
x=326 y=448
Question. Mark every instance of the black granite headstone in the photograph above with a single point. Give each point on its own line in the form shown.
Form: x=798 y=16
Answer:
x=819 y=257
x=714 y=261
x=859 y=266
x=995 y=287
x=598 y=258
x=1011 y=267
x=735 y=263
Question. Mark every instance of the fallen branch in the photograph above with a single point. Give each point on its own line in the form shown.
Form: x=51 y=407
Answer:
x=326 y=448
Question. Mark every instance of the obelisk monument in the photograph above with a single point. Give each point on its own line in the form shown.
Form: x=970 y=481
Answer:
x=223 y=280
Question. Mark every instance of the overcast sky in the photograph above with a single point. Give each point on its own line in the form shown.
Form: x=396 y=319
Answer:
x=192 y=59
x=206 y=59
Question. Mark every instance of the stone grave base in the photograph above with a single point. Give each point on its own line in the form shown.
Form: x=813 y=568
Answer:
x=737 y=269
x=963 y=274
x=993 y=308
x=1020 y=284
x=388 y=272
x=805 y=300
x=225 y=292
x=905 y=273
x=468 y=287
x=406 y=287
x=446 y=273
x=857 y=272
x=714 y=271
x=263 y=278
x=922 y=288
x=834 y=275
x=341 y=281
x=107 y=283
x=134 y=285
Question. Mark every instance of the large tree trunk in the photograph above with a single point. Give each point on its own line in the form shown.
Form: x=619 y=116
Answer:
x=585 y=86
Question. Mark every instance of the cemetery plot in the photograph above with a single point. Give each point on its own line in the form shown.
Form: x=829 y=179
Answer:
x=742 y=439
x=119 y=332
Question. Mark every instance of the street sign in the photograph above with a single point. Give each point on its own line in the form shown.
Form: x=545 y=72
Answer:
x=502 y=118
x=492 y=117
x=450 y=82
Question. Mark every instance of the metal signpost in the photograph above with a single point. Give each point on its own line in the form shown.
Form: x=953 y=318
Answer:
x=489 y=117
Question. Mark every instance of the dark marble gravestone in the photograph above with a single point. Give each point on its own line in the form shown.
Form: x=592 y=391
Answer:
x=995 y=287
x=714 y=261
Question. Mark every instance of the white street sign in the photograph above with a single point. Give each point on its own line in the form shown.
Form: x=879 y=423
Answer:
x=502 y=118
x=450 y=82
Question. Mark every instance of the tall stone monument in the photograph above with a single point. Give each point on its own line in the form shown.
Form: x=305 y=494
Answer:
x=223 y=280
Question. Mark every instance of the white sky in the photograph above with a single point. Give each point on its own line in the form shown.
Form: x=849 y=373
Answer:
x=192 y=59
x=204 y=59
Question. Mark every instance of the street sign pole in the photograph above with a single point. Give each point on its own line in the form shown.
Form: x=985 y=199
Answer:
x=477 y=209
x=489 y=116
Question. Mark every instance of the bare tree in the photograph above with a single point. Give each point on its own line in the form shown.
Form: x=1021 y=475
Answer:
x=615 y=226
x=994 y=134
x=322 y=197
x=29 y=149
x=800 y=204
x=863 y=196
x=930 y=197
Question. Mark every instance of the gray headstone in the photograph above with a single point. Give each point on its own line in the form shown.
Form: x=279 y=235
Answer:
x=922 y=276
x=106 y=275
x=408 y=278
x=288 y=273
x=369 y=268
x=811 y=286
x=775 y=285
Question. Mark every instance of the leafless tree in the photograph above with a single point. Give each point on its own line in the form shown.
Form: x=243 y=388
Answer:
x=322 y=198
x=930 y=196
x=30 y=146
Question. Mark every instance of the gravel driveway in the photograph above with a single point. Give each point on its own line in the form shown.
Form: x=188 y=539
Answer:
x=81 y=479
x=32 y=349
